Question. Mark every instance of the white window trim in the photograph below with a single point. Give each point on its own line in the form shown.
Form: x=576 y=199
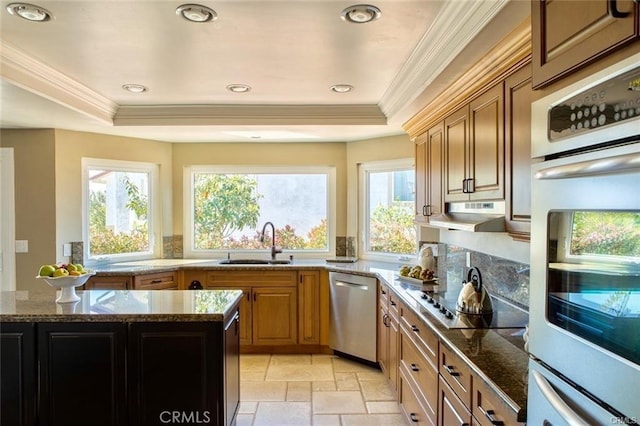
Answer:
x=154 y=217
x=363 y=206
x=187 y=191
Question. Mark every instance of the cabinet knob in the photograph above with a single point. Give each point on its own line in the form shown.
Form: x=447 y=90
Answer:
x=415 y=329
x=612 y=8
x=414 y=418
x=450 y=369
x=414 y=367
x=489 y=414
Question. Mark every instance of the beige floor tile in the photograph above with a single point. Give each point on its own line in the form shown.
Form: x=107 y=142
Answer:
x=339 y=402
x=244 y=419
x=347 y=381
x=253 y=362
x=371 y=375
x=377 y=390
x=252 y=376
x=382 y=407
x=283 y=414
x=295 y=372
x=263 y=391
x=322 y=359
x=346 y=365
x=326 y=420
x=298 y=391
x=323 y=386
x=373 y=420
x=249 y=407
x=290 y=360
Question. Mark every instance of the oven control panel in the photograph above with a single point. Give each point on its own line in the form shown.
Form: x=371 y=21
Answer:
x=609 y=102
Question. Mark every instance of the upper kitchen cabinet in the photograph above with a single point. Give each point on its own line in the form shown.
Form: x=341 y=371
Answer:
x=569 y=34
x=474 y=149
x=429 y=158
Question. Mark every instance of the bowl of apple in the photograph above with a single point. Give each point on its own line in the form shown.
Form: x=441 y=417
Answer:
x=65 y=277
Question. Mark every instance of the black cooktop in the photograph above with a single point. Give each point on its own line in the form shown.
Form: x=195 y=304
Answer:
x=442 y=305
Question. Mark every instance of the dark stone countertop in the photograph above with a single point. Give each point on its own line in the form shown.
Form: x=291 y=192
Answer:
x=120 y=306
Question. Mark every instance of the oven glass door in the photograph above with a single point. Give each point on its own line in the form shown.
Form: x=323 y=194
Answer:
x=593 y=277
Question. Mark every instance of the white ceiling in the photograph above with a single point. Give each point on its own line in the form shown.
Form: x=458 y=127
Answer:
x=68 y=72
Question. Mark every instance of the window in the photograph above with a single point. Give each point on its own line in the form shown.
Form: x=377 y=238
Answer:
x=387 y=204
x=119 y=211
x=228 y=207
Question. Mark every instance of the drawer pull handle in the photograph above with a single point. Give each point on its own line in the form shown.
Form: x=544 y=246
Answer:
x=156 y=281
x=392 y=303
x=414 y=418
x=489 y=414
x=450 y=370
x=383 y=292
x=414 y=328
x=414 y=367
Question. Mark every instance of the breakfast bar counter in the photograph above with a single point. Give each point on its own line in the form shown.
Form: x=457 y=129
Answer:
x=119 y=357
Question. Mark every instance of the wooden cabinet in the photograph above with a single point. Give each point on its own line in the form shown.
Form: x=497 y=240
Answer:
x=410 y=405
x=456 y=373
x=309 y=307
x=518 y=97
x=18 y=382
x=488 y=408
x=158 y=281
x=569 y=34
x=429 y=168
x=269 y=308
x=109 y=282
x=474 y=149
x=451 y=410
x=82 y=373
x=383 y=329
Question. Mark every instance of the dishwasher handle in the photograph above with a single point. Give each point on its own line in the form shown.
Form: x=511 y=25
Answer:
x=351 y=285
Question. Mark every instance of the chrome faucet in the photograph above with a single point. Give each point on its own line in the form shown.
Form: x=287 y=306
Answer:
x=274 y=250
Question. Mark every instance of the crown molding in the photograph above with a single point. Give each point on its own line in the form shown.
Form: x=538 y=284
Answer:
x=453 y=29
x=214 y=115
x=509 y=55
x=34 y=76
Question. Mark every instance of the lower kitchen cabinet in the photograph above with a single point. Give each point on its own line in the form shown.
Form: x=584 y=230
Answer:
x=18 y=381
x=109 y=282
x=451 y=410
x=158 y=281
x=488 y=408
x=410 y=404
x=388 y=336
x=309 y=317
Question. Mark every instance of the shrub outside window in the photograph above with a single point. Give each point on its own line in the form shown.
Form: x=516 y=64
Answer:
x=387 y=204
x=228 y=208
x=119 y=209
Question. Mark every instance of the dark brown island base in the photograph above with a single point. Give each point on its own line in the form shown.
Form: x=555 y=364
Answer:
x=120 y=358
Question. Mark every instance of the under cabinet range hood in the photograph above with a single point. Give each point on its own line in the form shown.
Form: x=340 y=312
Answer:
x=481 y=216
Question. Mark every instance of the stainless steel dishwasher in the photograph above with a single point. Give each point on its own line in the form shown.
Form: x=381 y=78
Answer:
x=353 y=315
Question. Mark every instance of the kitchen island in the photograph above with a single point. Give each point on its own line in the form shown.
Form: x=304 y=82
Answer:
x=120 y=357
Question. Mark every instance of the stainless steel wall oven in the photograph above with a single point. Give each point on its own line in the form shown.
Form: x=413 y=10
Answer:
x=584 y=337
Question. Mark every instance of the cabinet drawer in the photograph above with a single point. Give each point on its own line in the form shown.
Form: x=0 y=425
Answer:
x=422 y=372
x=394 y=306
x=122 y=282
x=456 y=373
x=489 y=408
x=253 y=278
x=410 y=403
x=451 y=410
x=420 y=334
x=159 y=281
x=383 y=295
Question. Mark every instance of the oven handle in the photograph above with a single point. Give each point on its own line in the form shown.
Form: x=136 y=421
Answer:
x=601 y=166
x=558 y=404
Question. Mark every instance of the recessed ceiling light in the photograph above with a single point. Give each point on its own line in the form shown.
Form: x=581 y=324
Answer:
x=30 y=12
x=238 y=88
x=134 y=88
x=196 y=13
x=360 y=13
x=342 y=88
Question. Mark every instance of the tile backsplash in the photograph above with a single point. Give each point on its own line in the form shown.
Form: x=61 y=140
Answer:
x=500 y=276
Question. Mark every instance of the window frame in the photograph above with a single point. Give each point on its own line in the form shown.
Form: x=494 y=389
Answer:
x=153 y=218
x=188 y=207
x=363 y=206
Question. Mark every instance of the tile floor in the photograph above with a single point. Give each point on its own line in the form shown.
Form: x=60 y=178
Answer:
x=299 y=390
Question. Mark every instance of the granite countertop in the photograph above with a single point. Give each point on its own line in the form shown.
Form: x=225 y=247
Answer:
x=120 y=306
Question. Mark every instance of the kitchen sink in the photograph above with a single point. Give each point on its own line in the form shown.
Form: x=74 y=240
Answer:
x=254 y=262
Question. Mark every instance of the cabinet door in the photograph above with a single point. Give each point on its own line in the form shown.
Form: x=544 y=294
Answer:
x=435 y=154
x=116 y=282
x=518 y=97
x=231 y=370
x=18 y=368
x=456 y=142
x=309 y=307
x=274 y=316
x=82 y=373
x=159 y=281
x=451 y=411
x=568 y=34
x=411 y=404
x=245 y=310
x=421 y=171
x=486 y=148
x=394 y=342
x=383 y=340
